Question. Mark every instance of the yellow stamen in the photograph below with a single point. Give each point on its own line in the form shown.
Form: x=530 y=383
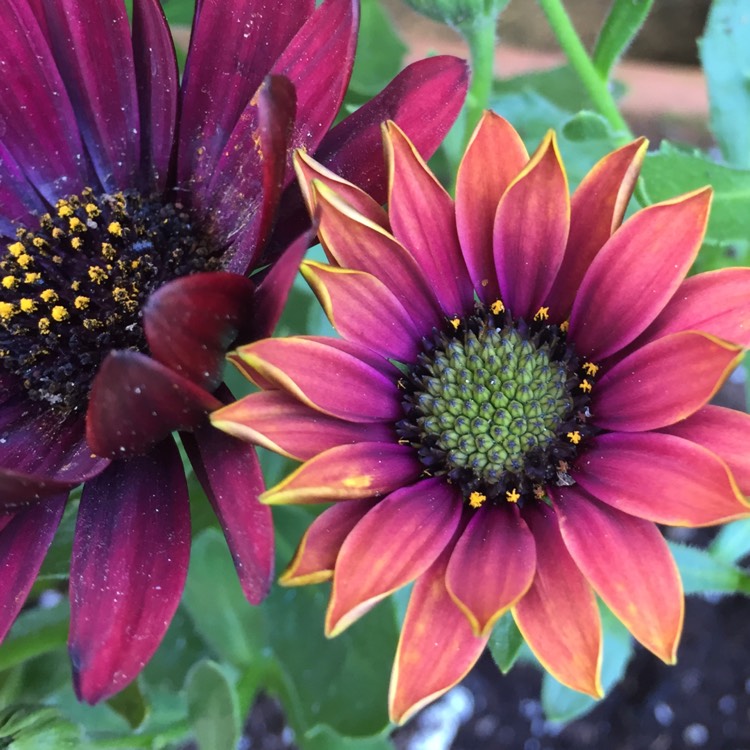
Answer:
x=92 y=209
x=574 y=437
x=539 y=492
x=16 y=249
x=27 y=305
x=455 y=322
x=81 y=302
x=476 y=499
x=91 y=323
x=542 y=314
x=76 y=225
x=497 y=307
x=585 y=386
x=59 y=313
x=57 y=233
x=76 y=243
x=64 y=209
x=591 y=368
x=108 y=251
x=97 y=274
x=32 y=277
x=24 y=260
x=49 y=295
x=564 y=326
x=7 y=310
x=75 y=285
x=10 y=282
x=115 y=228
x=43 y=325
x=38 y=242
x=513 y=496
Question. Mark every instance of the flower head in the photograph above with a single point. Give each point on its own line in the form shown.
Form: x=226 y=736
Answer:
x=135 y=210
x=518 y=398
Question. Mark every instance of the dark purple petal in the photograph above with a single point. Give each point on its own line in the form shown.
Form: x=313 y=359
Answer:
x=191 y=322
x=39 y=126
x=244 y=193
x=130 y=558
x=353 y=149
x=233 y=47
x=24 y=541
x=135 y=402
x=94 y=54
x=18 y=198
x=229 y=471
x=157 y=83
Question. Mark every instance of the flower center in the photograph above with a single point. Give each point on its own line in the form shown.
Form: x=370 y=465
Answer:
x=73 y=289
x=498 y=405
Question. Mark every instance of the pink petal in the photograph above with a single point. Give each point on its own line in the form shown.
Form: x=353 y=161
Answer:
x=397 y=541
x=130 y=558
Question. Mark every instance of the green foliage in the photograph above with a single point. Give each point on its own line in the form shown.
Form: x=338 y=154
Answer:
x=725 y=54
x=732 y=543
x=704 y=573
x=36 y=728
x=623 y=22
x=505 y=643
x=213 y=707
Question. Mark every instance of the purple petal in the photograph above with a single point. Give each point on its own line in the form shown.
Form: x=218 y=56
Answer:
x=229 y=472
x=24 y=541
x=130 y=558
x=135 y=402
x=18 y=198
x=233 y=47
x=158 y=83
x=191 y=322
x=94 y=54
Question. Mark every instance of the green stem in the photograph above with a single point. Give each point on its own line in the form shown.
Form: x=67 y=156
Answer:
x=162 y=738
x=18 y=650
x=580 y=61
x=480 y=35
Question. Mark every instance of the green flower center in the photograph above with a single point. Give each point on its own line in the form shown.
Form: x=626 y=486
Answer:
x=497 y=405
x=73 y=289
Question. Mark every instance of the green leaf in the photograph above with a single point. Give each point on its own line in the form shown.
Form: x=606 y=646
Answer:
x=505 y=643
x=179 y=12
x=35 y=632
x=732 y=543
x=131 y=704
x=620 y=28
x=672 y=171
x=36 y=728
x=725 y=54
x=324 y=738
x=702 y=573
x=212 y=707
x=562 y=704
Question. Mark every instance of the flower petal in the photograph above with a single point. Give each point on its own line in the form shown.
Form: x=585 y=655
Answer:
x=158 y=82
x=316 y=554
x=436 y=649
x=636 y=273
x=192 y=321
x=648 y=389
x=19 y=201
x=362 y=309
x=24 y=541
x=726 y=433
x=135 y=402
x=596 y=210
x=230 y=475
x=662 y=478
x=424 y=222
x=130 y=558
x=352 y=241
x=491 y=567
x=397 y=541
x=348 y=472
x=94 y=54
x=531 y=231
x=558 y=616
x=319 y=373
x=494 y=157
x=629 y=565
x=243 y=193
x=717 y=302
x=220 y=78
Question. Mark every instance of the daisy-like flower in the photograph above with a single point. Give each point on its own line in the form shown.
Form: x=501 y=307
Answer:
x=518 y=398
x=134 y=208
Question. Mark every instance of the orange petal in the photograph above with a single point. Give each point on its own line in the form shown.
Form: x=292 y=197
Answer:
x=391 y=546
x=558 y=617
x=629 y=564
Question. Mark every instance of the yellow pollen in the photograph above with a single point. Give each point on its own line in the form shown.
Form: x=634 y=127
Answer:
x=539 y=492
x=135 y=263
x=574 y=437
x=130 y=305
x=76 y=225
x=24 y=260
x=57 y=259
x=10 y=282
x=64 y=209
x=38 y=242
x=81 y=302
x=455 y=322
x=119 y=294
x=27 y=305
x=91 y=323
x=43 y=325
x=591 y=368
x=58 y=233
x=513 y=496
x=97 y=274
x=7 y=310
x=59 y=313
x=49 y=295
x=108 y=251
x=16 y=249
x=32 y=277
x=585 y=386
x=92 y=209
x=76 y=243
x=564 y=326
x=115 y=228
x=542 y=314
x=476 y=499
x=75 y=285
x=497 y=307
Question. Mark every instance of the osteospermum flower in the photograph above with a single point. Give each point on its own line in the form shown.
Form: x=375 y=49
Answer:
x=133 y=208
x=518 y=398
